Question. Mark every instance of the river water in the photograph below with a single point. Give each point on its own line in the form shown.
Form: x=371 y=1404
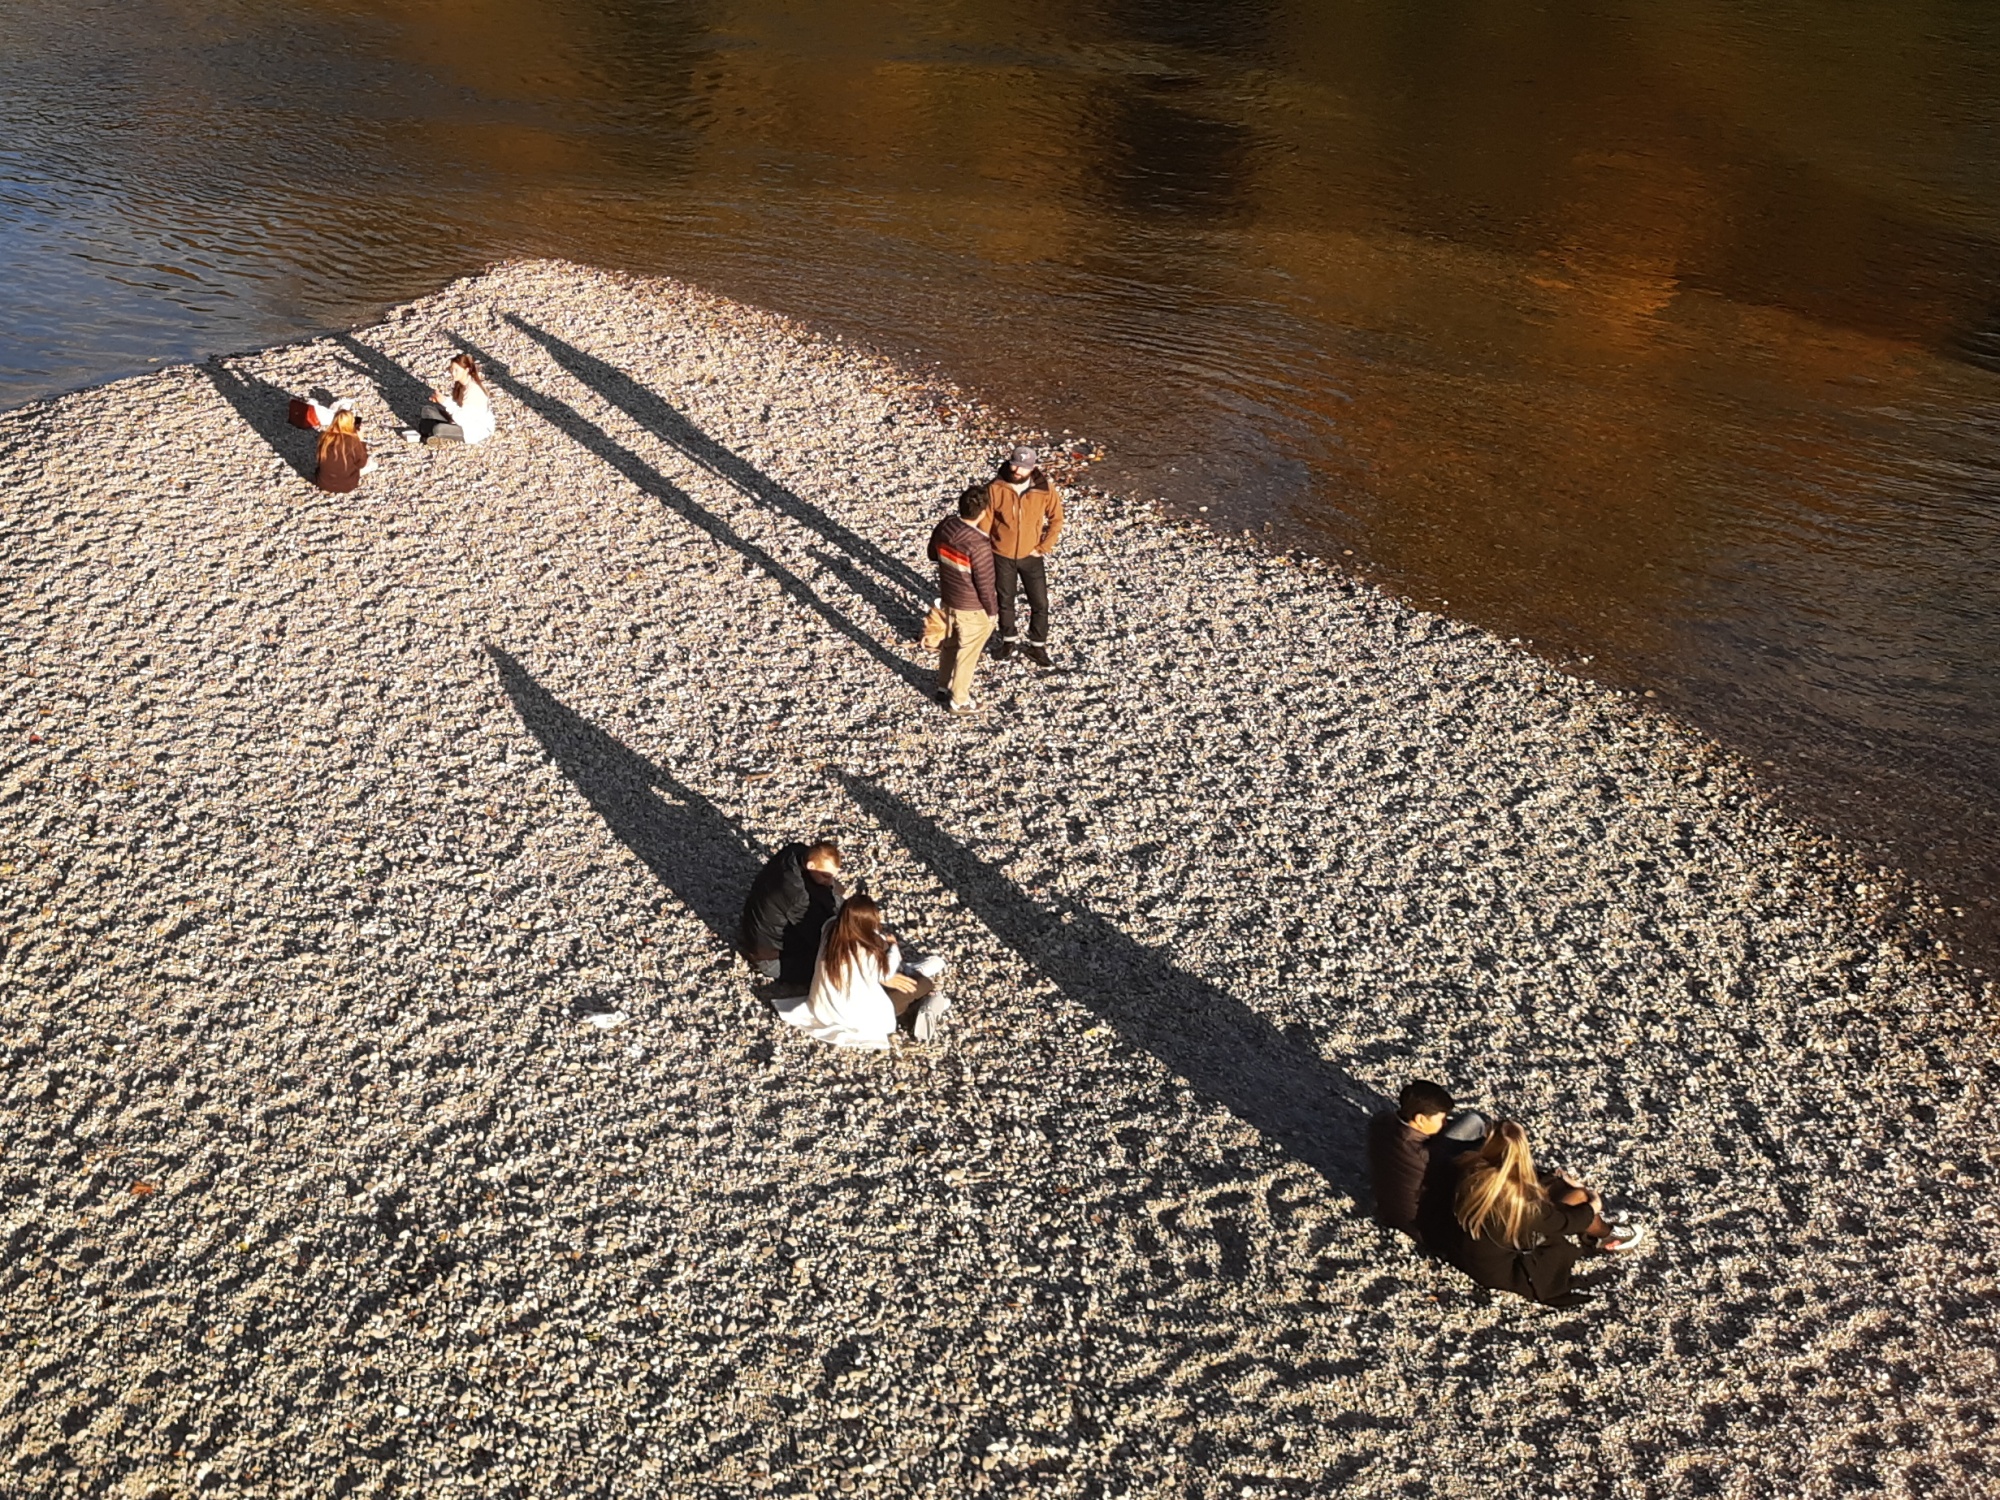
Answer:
x=1661 y=333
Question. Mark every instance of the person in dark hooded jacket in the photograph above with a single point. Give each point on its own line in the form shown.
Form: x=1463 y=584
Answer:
x=790 y=901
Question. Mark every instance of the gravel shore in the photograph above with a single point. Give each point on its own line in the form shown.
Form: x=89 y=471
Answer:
x=330 y=822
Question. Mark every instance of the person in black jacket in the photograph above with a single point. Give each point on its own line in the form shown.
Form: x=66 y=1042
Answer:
x=1410 y=1149
x=1399 y=1152
x=1512 y=1229
x=792 y=898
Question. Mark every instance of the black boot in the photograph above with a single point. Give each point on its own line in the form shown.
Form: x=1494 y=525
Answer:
x=1037 y=653
x=1003 y=649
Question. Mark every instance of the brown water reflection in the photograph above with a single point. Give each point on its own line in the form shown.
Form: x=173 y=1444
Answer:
x=1657 y=333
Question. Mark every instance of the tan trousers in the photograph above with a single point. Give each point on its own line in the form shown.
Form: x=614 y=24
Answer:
x=960 y=653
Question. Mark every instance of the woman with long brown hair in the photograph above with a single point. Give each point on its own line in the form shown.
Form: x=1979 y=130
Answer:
x=861 y=986
x=342 y=456
x=463 y=413
x=1509 y=1227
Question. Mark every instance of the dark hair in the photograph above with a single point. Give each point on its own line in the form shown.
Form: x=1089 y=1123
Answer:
x=824 y=849
x=972 y=504
x=857 y=930
x=1422 y=1097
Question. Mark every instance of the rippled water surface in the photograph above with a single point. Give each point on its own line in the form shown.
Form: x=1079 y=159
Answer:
x=1661 y=332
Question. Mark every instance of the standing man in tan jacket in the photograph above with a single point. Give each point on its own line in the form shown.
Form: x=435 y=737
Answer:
x=1027 y=519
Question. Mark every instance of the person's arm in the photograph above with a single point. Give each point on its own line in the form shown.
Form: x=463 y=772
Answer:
x=982 y=580
x=1568 y=1218
x=777 y=903
x=1052 y=524
x=1397 y=1181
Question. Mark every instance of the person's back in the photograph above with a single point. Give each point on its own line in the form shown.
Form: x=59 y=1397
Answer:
x=1503 y=1228
x=850 y=1005
x=791 y=899
x=343 y=457
x=967 y=595
x=1400 y=1154
x=964 y=558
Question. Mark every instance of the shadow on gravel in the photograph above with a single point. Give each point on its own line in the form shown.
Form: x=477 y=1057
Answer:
x=1219 y=1045
x=672 y=426
x=566 y=418
x=400 y=391
x=684 y=839
x=265 y=408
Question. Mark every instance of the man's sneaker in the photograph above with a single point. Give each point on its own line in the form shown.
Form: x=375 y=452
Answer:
x=925 y=1026
x=1003 y=650
x=960 y=708
x=1037 y=653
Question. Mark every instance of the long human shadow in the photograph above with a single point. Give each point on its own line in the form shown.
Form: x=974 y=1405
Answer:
x=689 y=844
x=265 y=408
x=1223 y=1048
x=402 y=392
x=566 y=418
x=658 y=416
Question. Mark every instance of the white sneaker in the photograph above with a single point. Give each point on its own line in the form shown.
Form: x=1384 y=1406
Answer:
x=934 y=1005
x=929 y=966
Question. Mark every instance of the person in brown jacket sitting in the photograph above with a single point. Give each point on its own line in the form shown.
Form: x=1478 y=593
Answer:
x=1027 y=517
x=343 y=457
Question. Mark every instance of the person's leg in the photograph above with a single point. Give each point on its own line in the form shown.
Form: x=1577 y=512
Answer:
x=973 y=627
x=948 y=653
x=1006 y=583
x=432 y=415
x=1035 y=579
x=1570 y=1193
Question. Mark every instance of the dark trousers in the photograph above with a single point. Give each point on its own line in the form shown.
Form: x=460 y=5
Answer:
x=435 y=421
x=1011 y=574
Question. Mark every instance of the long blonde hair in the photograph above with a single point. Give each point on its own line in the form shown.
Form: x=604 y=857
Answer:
x=857 y=930
x=1499 y=1187
x=343 y=425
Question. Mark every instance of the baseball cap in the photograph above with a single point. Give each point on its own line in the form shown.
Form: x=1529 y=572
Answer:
x=1024 y=457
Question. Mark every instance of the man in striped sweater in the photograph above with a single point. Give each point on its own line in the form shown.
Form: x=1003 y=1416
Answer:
x=964 y=559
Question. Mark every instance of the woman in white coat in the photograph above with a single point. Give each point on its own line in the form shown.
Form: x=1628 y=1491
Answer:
x=464 y=414
x=860 y=985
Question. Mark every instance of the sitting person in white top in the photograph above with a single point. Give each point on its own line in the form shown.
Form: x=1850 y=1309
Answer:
x=860 y=985
x=463 y=416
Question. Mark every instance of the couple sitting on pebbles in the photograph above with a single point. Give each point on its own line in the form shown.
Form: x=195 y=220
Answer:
x=1469 y=1194
x=839 y=976
x=465 y=415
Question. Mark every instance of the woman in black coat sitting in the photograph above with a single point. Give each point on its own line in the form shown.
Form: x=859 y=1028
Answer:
x=1510 y=1228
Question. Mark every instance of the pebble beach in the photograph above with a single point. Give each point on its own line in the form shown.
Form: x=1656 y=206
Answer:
x=385 y=1113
